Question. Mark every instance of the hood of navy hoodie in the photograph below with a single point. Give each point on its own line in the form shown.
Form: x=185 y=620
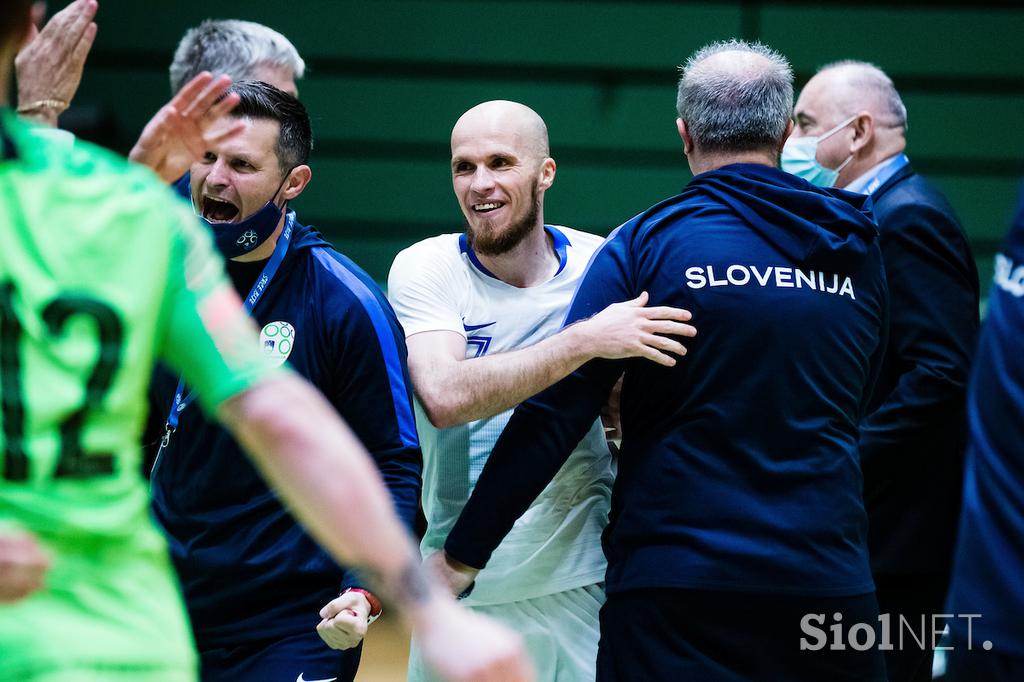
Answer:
x=815 y=227
x=304 y=237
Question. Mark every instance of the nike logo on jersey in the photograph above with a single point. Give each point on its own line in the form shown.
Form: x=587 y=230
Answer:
x=300 y=678
x=477 y=345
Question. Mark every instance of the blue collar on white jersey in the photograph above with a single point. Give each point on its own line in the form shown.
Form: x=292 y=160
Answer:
x=558 y=240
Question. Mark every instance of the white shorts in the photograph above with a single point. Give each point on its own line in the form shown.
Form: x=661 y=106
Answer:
x=561 y=631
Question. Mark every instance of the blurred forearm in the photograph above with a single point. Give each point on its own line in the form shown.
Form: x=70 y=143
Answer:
x=330 y=483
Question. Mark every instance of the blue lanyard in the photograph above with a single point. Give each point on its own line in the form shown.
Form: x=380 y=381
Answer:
x=183 y=400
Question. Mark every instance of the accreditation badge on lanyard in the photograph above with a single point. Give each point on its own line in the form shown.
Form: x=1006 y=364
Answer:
x=183 y=399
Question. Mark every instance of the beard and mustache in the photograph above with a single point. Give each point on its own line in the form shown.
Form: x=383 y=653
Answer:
x=493 y=243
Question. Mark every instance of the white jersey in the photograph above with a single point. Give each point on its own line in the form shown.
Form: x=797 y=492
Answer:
x=439 y=284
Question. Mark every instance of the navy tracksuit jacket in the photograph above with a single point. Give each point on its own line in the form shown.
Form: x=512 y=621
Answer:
x=739 y=467
x=248 y=570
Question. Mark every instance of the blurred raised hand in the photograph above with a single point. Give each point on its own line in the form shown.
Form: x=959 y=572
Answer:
x=185 y=128
x=50 y=64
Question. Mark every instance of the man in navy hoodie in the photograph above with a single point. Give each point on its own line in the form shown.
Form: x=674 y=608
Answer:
x=737 y=532
x=255 y=584
x=986 y=593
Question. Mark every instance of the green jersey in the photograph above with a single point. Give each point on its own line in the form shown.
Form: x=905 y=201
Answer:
x=102 y=272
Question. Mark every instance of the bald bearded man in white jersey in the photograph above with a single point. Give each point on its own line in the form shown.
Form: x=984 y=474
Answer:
x=482 y=313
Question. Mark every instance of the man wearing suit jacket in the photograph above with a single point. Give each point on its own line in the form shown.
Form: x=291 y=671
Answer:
x=851 y=133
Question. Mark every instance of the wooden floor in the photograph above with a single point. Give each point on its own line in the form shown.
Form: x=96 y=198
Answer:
x=385 y=651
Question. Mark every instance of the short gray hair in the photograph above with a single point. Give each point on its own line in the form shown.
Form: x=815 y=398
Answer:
x=742 y=105
x=233 y=47
x=865 y=79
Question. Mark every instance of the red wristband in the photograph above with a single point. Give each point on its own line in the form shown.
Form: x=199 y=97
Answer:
x=375 y=606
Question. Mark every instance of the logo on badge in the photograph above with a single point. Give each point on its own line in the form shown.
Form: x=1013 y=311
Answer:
x=276 y=340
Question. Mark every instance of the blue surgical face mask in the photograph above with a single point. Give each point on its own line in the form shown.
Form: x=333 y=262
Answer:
x=799 y=157
x=237 y=239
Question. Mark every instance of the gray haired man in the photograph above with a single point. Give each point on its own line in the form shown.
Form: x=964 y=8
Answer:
x=851 y=132
x=243 y=50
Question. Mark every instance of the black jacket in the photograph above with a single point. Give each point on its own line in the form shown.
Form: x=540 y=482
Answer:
x=913 y=437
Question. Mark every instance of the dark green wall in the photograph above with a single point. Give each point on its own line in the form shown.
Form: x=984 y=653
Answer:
x=387 y=80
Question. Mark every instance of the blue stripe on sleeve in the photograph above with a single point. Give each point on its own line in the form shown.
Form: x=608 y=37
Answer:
x=614 y=233
x=386 y=339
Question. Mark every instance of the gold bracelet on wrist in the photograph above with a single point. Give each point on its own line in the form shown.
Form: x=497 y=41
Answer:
x=58 y=104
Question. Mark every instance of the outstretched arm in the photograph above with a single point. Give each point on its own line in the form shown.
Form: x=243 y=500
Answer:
x=540 y=436
x=356 y=524
x=454 y=390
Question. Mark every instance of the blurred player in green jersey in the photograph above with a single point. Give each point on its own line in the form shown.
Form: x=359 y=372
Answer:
x=102 y=272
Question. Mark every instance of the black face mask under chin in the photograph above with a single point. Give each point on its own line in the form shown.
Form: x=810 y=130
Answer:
x=237 y=239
